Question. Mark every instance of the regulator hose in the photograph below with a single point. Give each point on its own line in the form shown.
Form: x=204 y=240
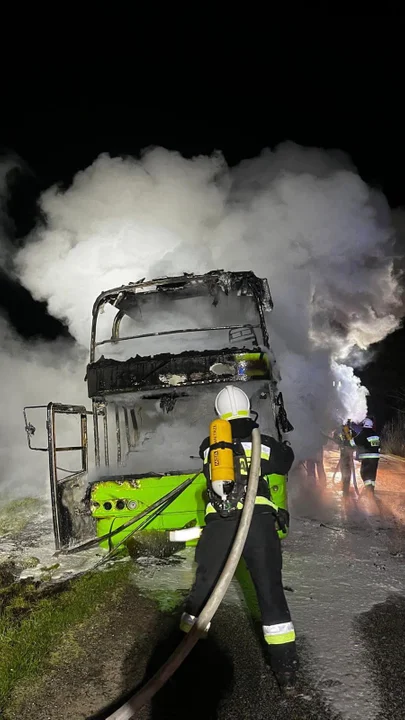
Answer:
x=144 y=695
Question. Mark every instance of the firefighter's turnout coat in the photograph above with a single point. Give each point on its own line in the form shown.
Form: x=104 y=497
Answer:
x=262 y=551
x=368 y=447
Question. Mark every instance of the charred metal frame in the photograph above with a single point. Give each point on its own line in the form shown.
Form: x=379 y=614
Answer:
x=249 y=285
x=100 y=409
x=60 y=519
x=115 y=338
x=244 y=283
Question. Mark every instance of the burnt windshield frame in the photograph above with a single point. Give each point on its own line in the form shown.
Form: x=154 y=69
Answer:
x=243 y=283
x=180 y=332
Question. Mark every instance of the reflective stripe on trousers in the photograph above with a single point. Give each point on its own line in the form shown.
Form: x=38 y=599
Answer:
x=279 y=634
x=369 y=482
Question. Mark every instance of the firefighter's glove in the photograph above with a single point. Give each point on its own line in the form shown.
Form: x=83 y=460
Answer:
x=283 y=519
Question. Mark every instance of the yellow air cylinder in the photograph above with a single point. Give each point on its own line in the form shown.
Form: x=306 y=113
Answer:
x=221 y=460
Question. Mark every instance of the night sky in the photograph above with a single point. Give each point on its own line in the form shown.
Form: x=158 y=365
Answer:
x=343 y=89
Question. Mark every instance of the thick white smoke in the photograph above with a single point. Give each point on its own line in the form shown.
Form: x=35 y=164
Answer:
x=302 y=218
x=32 y=373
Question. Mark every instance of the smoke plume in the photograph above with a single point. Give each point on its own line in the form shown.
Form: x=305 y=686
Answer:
x=303 y=218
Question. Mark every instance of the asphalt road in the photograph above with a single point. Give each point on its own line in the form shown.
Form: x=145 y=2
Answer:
x=344 y=568
x=348 y=572
x=383 y=631
x=226 y=676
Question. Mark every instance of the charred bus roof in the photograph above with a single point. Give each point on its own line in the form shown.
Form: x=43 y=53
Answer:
x=189 y=285
x=109 y=376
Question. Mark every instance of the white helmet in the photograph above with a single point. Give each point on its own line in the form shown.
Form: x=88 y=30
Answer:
x=232 y=403
x=368 y=423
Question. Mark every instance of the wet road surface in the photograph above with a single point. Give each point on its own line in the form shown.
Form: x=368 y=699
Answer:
x=344 y=575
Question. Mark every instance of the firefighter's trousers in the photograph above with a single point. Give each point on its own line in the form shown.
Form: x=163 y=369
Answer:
x=262 y=554
x=346 y=461
x=316 y=470
x=368 y=472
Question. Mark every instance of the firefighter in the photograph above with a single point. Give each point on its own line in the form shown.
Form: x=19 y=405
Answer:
x=315 y=465
x=368 y=445
x=316 y=469
x=343 y=437
x=262 y=551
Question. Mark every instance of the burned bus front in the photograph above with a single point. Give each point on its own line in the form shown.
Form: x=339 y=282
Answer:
x=160 y=350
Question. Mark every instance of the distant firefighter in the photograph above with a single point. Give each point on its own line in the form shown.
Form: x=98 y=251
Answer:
x=314 y=465
x=343 y=436
x=368 y=445
x=316 y=470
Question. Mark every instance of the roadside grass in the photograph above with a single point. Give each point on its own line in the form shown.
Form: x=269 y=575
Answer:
x=34 y=625
x=393 y=436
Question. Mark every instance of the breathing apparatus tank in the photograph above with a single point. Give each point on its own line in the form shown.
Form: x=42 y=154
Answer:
x=221 y=458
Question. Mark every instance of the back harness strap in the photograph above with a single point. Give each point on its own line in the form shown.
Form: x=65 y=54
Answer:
x=237 y=491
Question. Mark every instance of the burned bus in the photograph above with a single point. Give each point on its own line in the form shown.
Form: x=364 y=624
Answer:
x=159 y=349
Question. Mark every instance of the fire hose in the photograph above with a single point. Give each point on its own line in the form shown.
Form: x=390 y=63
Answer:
x=145 y=694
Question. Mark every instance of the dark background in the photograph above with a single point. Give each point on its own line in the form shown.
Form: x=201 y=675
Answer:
x=340 y=88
